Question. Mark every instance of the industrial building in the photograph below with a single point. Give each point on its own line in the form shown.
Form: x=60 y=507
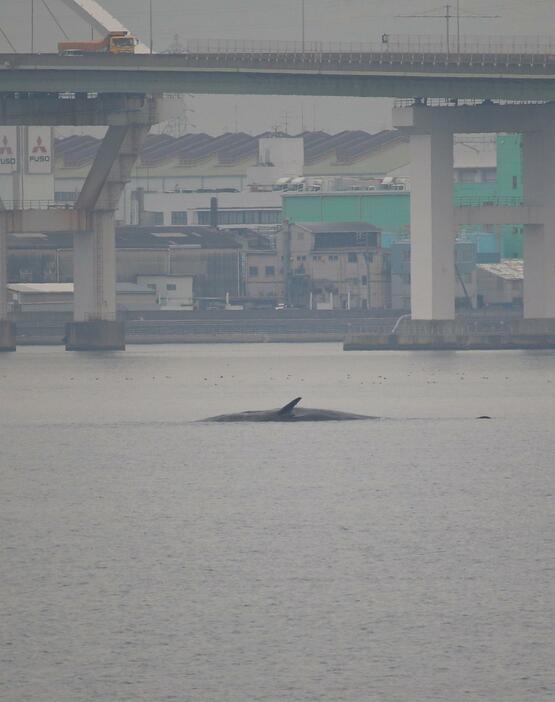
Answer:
x=175 y=178
x=488 y=173
x=500 y=283
x=317 y=265
x=204 y=259
x=58 y=297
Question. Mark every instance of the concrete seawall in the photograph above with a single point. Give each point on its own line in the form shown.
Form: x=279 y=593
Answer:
x=459 y=334
x=293 y=326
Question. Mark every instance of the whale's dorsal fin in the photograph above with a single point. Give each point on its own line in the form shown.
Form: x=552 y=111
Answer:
x=290 y=406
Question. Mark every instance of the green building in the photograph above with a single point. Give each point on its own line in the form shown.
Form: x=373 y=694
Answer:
x=390 y=210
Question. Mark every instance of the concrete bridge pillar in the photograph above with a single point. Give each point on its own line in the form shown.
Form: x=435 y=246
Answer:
x=7 y=327
x=539 y=240
x=432 y=225
x=94 y=302
x=95 y=326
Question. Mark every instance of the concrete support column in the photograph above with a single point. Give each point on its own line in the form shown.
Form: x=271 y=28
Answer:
x=432 y=225
x=3 y=267
x=539 y=271
x=7 y=327
x=539 y=240
x=94 y=269
x=94 y=302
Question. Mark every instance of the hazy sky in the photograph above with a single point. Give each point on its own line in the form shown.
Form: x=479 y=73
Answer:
x=326 y=20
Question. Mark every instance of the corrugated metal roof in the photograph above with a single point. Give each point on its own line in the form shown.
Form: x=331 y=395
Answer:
x=511 y=269
x=348 y=146
x=164 y=236
x=230 y=148
x=338 y=227
x=41 y=287
x=133 y=237
x=68 y=288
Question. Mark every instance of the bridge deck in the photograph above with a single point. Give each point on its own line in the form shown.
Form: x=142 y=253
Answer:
x=406 y=74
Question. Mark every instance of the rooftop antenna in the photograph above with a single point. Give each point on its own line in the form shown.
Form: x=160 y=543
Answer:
x=286 y=122
x=448 y=16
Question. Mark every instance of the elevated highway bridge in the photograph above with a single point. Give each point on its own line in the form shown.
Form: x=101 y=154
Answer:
x=123 y=92
x=348 y=72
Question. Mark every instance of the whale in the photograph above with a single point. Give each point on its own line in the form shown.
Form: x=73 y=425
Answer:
x=289 y=413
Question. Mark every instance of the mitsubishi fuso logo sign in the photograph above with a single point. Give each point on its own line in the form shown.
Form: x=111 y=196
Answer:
x=39 y=150
x=8 y=149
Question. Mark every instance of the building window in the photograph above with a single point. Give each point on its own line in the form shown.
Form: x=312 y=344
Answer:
x=70 y=196
x=489 y=175
x=515 y=182
x=364 y=280
x=179 y=217
x=229 y=217
x=253 y=271
x=467 y=175
x=333 y=258
x=270 y=270
x=352 y=258
x=157 y=218
x=171 y=286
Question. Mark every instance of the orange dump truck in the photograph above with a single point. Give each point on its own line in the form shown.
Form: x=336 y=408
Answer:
x=119 y=42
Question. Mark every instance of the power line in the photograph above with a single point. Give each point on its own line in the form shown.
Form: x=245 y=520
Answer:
x=55 y=20
x=448 y=16
x=3 y=33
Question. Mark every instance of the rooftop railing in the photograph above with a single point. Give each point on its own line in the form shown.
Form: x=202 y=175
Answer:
x=35 y=205
x=489 y=201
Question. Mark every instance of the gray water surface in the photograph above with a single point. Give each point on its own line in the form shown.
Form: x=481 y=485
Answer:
x=148 y=557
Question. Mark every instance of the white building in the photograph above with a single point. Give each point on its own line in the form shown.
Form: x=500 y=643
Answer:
x=241 y=209
x=58 y=297
x=173 y=292
x=501 y=283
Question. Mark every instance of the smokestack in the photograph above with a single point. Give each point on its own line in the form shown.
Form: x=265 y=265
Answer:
x=214 y=212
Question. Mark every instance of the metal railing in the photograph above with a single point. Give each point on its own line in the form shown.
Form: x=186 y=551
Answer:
x=416 y=44
x=460 y=102
x=488 y=201
x=36 y=205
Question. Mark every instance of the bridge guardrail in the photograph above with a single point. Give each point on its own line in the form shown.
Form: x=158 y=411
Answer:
x=391 y=43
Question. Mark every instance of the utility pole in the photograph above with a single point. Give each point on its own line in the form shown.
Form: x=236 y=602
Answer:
x=458 y=27
x=302 y=26
x=32 y=26
x=448 y=16
x=150 y=23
